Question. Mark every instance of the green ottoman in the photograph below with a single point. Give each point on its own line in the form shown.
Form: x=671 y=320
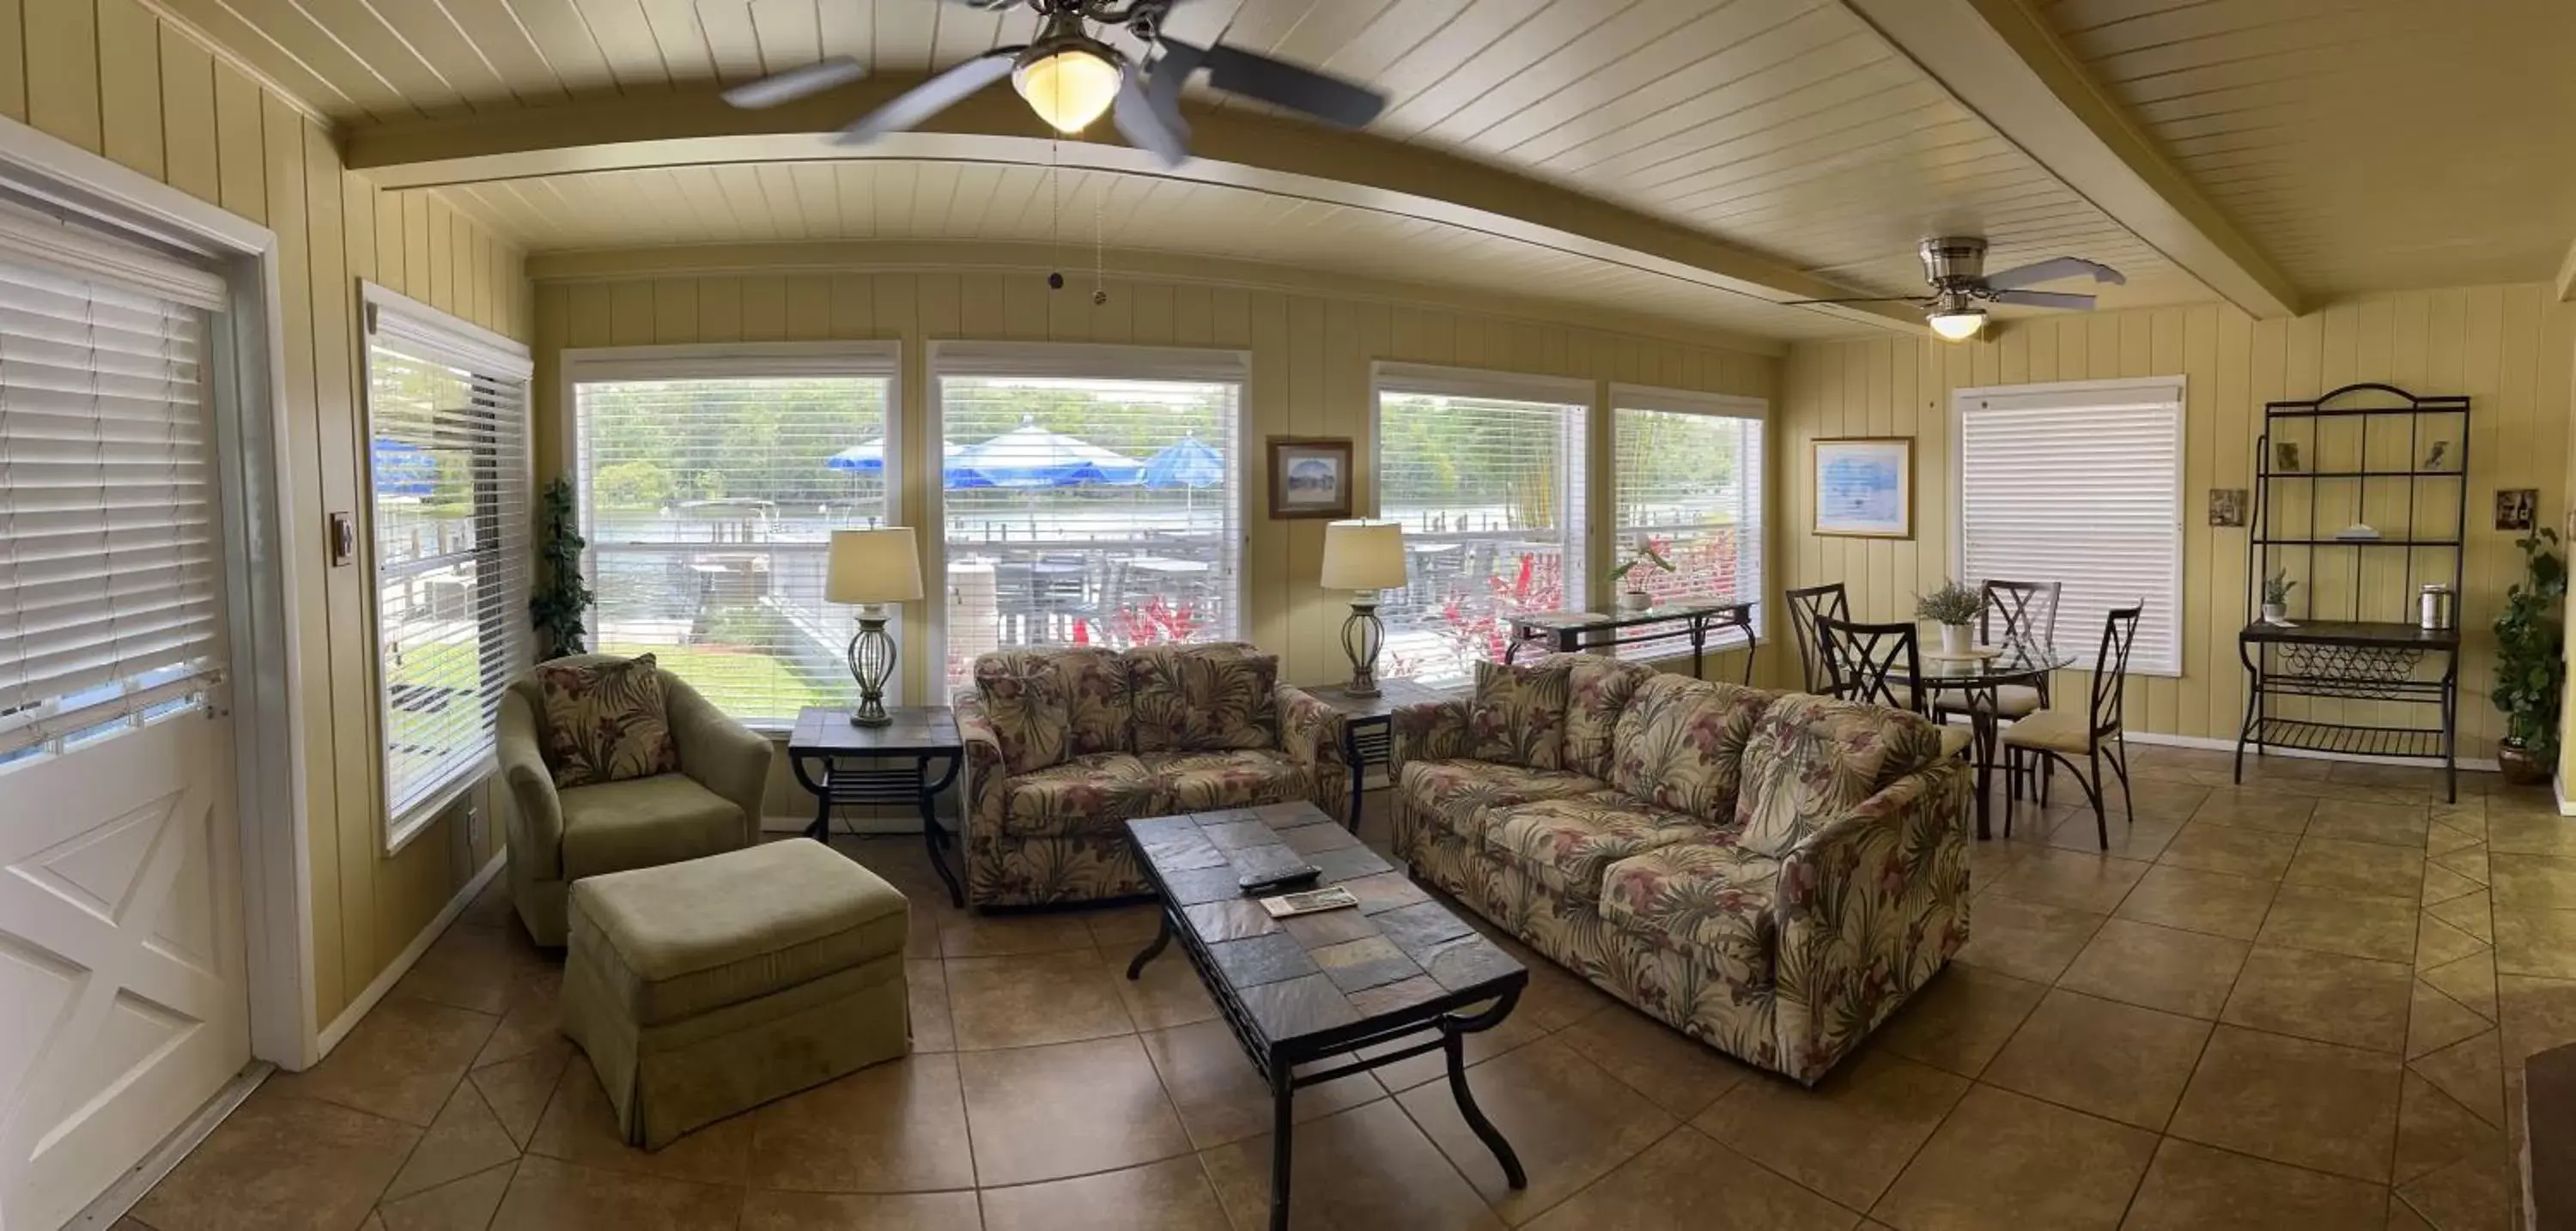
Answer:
x=704 y=989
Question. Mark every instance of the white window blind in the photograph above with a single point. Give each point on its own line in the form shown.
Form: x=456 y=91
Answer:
x=1485 y=471
x=1689 y=482
x=448 y=452
x=1091 y=495
x=2079 y=484
x=110 y=581
x=710 y=487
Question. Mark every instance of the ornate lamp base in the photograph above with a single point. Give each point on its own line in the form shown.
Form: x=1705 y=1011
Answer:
x=1363 y=635
x=871 y=664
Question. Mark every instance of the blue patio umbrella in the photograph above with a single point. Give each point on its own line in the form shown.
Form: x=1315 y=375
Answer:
x=404 y=469
x=1031 y=456
x=869 y=458
x=1188 y=465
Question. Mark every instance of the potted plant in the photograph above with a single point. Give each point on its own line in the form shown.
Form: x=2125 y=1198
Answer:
x=2276 y=597
x=1953 y=607
x=561 y=596
x=1637 y=597
x=2529 y=668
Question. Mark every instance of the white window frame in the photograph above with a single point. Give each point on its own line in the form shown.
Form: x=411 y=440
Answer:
x=1716 y=406
x=1100 y=361
x=1574 y=486
x=2073 y=396
x=386 y=311
x=876 y=360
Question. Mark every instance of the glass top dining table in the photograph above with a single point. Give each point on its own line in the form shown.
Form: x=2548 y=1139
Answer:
x=1971 y=684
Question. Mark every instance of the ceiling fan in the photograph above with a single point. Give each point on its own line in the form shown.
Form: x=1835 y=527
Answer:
x=1955 y=269
x=1070 y=77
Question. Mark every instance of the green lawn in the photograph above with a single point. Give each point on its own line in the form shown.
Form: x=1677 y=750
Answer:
x=741 y=682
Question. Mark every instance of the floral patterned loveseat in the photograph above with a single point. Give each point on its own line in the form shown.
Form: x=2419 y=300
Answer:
x=1771 y=873
x=1063 y=746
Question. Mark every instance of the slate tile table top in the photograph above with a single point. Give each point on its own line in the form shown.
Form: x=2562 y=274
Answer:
x=1401 y=974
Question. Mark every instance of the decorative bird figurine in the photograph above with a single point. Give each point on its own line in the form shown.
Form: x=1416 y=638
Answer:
x=2433 y=457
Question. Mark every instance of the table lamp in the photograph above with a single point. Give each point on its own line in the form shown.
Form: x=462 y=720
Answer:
x=872 y=568
x=1364 y=557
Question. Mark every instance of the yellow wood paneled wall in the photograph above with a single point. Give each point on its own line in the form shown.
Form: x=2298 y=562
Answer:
x=112 y=78
x=1310 y=358
x=2506 y=346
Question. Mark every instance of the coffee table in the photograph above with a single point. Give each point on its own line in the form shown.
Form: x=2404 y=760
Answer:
x=1398 y=967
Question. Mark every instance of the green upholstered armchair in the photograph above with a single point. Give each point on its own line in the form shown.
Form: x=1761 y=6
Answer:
x=711 y=806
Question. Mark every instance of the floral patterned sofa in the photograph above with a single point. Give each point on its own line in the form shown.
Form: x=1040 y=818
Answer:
x=1065 y=745
x=1770 y=873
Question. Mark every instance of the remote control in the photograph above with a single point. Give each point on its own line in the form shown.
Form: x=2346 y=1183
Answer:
x=1286 y=878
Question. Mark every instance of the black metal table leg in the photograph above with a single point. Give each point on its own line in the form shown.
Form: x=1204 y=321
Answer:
x=1699 y=645
x=1359 y=775
x=1453 y=1041
x=932 y=836
x=1153 y=948
x=1283 y=1101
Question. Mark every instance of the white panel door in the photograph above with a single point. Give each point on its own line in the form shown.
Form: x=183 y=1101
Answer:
x=124 y=1001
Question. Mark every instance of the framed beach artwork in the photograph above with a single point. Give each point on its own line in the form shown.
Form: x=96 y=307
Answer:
x=1310 y=476
x=1865 y=487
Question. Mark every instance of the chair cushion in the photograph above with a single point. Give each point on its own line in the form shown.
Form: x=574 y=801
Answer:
x=604 y=721
x=1680 y=744
x=1208 y=781
x=1456 y=795
x=674 y=942
x=1517 y=716
x=1566 y=844
x=1598 y=688
x=2011 y=701
x=1955 y=739
x=645 y=823
x=1203 y=698
x=1710 y=900
x=1025 y=700
x=1812 y=758
x=2056 y=730
x=1086 y=795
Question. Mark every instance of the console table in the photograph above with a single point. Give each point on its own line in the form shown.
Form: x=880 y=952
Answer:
x=1690 y=619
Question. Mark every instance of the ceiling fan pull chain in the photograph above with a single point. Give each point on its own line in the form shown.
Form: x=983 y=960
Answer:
x=1099 y=255
x=1055 y=218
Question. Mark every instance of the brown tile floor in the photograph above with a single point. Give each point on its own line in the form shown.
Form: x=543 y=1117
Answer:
x=2292 y=1004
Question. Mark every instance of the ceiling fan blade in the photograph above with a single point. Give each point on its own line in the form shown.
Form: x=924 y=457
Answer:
x=1149 y=127
x=2046 y=299
x=796 y=83
x=2051 y=270
x=1282 y=84
x=931 y=97
x=1806 y=303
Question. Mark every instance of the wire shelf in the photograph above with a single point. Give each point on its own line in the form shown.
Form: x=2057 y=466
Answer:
x=2412 y=743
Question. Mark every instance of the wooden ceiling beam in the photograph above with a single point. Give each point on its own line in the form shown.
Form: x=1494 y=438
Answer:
x=1234 y=147
x=2003 y=62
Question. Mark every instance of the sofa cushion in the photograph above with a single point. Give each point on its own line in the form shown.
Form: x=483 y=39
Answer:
x=1680 y=744
x=1812 y=758
x=604 y=721
x=644 y=823
x=1456 y=795
x=1517 y=716
x=1208 y=781
x=1203 y=698
x=1709 y=900
x=1597 y=691
x=1098 y=710
x=674 y=942
x=1087 y=795
x=1025 y=700
x=1566 y=844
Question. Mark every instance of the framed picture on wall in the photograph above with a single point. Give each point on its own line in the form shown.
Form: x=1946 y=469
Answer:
x=1310 y=476
x=1864 y=487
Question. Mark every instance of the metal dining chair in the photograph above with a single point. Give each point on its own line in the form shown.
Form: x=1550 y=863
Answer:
x=2059 y=736
x=2027 y=610
x=1877 y=664
x=1804 y=606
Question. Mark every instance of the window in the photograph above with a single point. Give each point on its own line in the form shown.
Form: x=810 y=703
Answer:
x=711 y=481
x=1689 y=483
x=2081 y=484
x=1485 y=473
x=1090 y=495
x=109 y=583
x=448 y=444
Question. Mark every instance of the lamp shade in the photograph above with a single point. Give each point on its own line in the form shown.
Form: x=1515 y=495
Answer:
x=1363 y=555
x=873 y=566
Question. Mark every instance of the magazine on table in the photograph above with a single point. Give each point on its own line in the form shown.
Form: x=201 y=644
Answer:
x=1309 y=901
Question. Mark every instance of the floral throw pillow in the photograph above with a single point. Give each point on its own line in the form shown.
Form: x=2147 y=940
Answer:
x=604 y=721
x=1024 y=698
x=1518 y=714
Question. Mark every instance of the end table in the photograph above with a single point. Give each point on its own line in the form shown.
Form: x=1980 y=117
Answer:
x=1368 y=725
x=924 y=734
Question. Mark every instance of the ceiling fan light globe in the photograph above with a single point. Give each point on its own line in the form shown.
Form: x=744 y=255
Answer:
x=1068 y=86
x=1957 y=326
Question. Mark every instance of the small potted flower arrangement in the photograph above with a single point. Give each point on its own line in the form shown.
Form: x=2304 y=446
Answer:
x=1954 y=607
x=2276 y=597
x=1637 y=597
